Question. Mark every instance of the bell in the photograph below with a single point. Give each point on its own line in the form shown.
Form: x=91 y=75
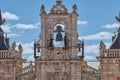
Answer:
x=79 y=50
x=59 y=37
x=38 y=49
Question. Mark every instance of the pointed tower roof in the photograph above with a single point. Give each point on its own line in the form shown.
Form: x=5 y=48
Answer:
x=1 y=31
x=0 y=15
x=116 y=41
x=2 y=21
x=3 y=45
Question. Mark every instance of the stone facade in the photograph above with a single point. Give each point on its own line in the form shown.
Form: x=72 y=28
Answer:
x=59 y=62
x=58 y=47
x=10 y=59
x=10 y=64
x=110 y=58
x=109 y=64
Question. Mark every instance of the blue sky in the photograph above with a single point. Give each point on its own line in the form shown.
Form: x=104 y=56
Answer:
x=96 y=22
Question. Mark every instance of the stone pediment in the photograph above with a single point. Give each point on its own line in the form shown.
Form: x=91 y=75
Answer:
x=58 y=8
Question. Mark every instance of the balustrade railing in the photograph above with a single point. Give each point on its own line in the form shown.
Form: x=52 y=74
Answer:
x=112 y=53
x=7 y=54
x=28 y=69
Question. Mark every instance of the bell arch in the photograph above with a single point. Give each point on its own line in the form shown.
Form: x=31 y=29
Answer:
x=59 y=33
x=64 y=22
x=51 y=25
x=50 y=22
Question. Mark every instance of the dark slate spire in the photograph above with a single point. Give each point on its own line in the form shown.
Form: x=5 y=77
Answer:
x=3 y=45
x=116 y=41
x=118 y=18
x=0 y=16
x=2 y=21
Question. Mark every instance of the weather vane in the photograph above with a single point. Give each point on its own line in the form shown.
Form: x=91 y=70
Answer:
x=118 y=18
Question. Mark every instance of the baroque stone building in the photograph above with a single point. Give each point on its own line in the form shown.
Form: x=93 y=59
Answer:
x=10 y=59
x=110 y=58
x=58 y=47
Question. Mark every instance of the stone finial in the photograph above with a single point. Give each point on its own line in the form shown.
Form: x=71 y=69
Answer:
x=58 y=8
x=14 y=45
x=42 y=10
x=102 y=45
x=20 y=48
x=7 y=41
x=74 y=8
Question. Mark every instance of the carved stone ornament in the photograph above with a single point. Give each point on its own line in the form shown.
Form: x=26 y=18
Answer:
x=42 y=10
x=59 y=8
x=74 y=8
x=102 y=45
x=20 y=48
x=14 y=45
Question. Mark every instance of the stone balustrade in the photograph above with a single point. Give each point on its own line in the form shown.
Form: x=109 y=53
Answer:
x=28 y=73
x=112 y=53
x=8 y=54
x=28 y=69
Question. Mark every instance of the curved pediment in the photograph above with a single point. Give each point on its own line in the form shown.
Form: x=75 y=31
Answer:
x=59 y=8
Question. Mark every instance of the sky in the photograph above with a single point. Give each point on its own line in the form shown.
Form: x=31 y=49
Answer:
x=96 y=22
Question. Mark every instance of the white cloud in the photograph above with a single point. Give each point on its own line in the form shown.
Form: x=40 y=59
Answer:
x=38 y=24
x=110 y=26
x=31 y=58
x=6 y=28
x=79 y=22
x=10 y=16
x=28 y=48
x=25 y=26
x=13 y=35
x=94 y=48
x=97 y=36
